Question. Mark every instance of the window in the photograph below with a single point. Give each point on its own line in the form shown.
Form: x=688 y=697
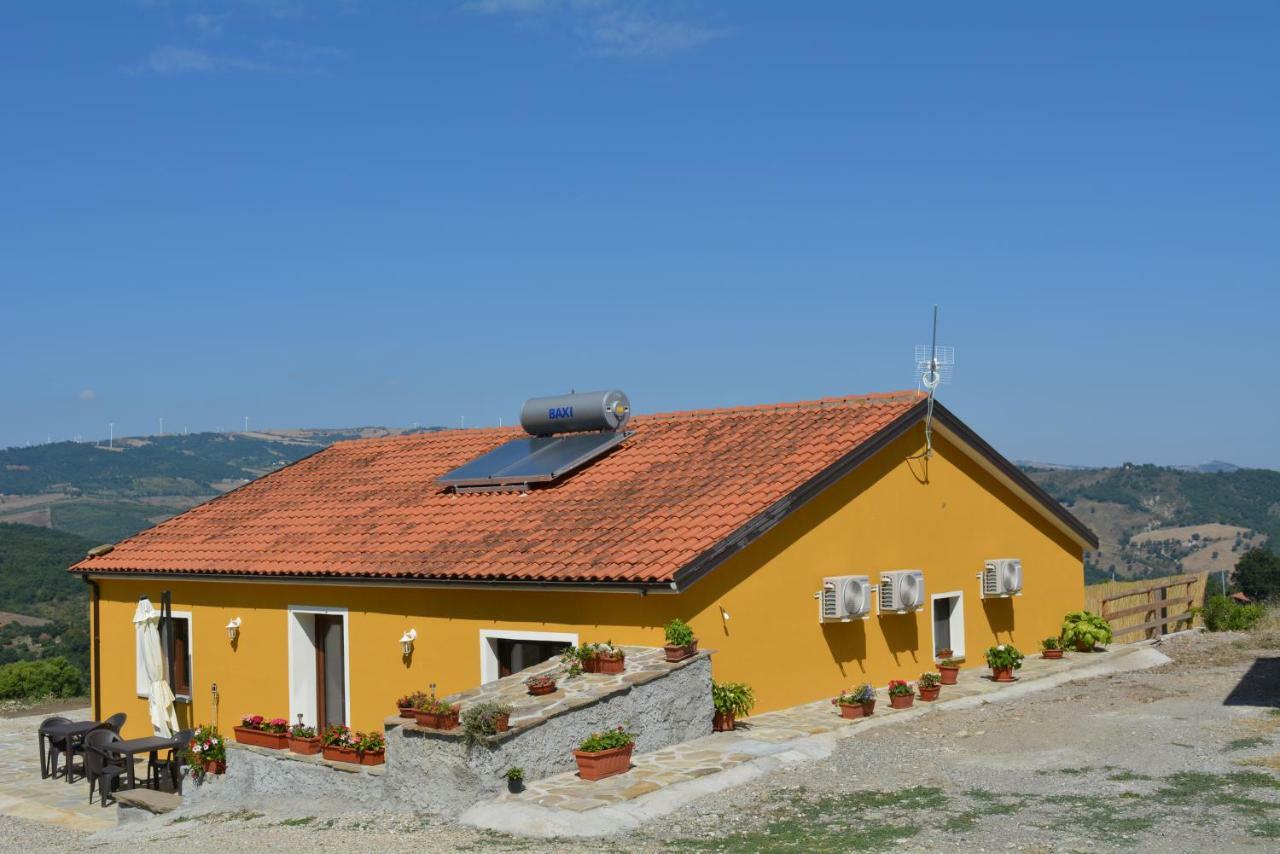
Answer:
x=180 y=651
x=505 y=652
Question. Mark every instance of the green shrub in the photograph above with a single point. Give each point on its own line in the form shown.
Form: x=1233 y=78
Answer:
x=1222 y=614
x=678 y=633
x=1258 y=574
x=1085 y=629
x=34 y=680
x=606 y=740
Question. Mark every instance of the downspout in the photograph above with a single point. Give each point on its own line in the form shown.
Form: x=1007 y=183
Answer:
x=95 y=649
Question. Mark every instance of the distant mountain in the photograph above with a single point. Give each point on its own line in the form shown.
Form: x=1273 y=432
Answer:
x=1156 y=521
x=1211 y=467
x=109 y=492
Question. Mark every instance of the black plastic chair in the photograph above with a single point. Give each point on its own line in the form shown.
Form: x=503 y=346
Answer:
x=171 y=763
x=111 y=724
x=48 y=750
x=102 y=765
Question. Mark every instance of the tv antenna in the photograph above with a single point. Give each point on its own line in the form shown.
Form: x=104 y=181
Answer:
x=934 y=366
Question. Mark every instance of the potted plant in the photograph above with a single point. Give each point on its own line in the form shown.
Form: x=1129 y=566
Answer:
x=484 y=719
x=1051 y=648
x=544 y=683
x=1085 y=631
x=857 y=702
x=604 y=754
x=435 y=713
x=303 y=740
x=1003 y=660
x=602 y=658
x=929 y=684
x=371 y=748
x=260 y=732
x=945 y=652
x=408 y=702
x=680 y=640
x=515 y=779
x=901 y=694
x=949 y=670
x=731 y=700
x=338 y=743
x=206 y=753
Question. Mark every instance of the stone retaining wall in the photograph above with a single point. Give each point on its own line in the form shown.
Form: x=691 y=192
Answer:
x=432 y=771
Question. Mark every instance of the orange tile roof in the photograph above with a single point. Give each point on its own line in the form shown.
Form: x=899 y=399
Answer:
x=371 y=508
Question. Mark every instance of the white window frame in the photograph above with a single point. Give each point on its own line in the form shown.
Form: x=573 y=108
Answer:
x=143 y=689
x=302 y=660
x=957 y=622
x=489 y=646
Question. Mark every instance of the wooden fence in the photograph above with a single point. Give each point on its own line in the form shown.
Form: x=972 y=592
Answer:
x=1151 y=607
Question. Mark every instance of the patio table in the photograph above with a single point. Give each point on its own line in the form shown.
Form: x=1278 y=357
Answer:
x=151 y=744
x=66 y=734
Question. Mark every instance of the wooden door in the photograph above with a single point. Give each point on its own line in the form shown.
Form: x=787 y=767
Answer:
x=331 y=670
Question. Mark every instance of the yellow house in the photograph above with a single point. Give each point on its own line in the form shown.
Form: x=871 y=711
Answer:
x=732 y=519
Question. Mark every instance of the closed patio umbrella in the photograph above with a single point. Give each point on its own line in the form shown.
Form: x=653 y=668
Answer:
x=146 y=623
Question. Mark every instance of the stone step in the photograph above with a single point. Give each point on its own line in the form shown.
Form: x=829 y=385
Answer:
x=149 y=800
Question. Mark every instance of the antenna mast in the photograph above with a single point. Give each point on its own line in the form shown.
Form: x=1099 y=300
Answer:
x=934 y=365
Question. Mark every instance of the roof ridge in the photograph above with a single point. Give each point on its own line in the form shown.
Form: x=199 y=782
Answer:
x=901 y=396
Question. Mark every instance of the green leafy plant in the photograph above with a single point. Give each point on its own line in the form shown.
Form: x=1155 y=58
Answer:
x=573 y=657
x=732 y=698
x=337 y=735
x=1083 y=629
x=1004 y=655
x=678 y=633
x=302 y=731
x=410 y=701
x=542 y=680
x=1222 y=614
x=480 y=720
x=514 y=774
x=606 y=740
x=370 y=742
x=858 y=696
x=433 y=705
x=929 y=680
x=899 y=688
x=951 y=662
x=1050 y=644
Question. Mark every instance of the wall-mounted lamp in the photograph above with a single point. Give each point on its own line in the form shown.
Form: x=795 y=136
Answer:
x=233 y=629
x=406 y=642
x=724 y=615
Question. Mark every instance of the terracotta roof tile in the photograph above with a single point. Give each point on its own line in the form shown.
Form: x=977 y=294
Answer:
x=372 y=508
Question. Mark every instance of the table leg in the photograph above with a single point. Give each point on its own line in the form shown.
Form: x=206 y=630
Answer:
x=44 y=765
x=128 y=764
x=66 y=758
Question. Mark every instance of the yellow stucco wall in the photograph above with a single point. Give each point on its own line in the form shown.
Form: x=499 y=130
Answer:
x=886 y=515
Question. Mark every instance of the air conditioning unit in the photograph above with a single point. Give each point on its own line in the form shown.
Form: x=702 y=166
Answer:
x=1002 y=577
x=901 y=591
x=845 y=597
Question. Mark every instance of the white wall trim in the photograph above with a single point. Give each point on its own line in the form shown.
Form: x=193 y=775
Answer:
x=299 y=634
x=957 y=622
x=489 y=647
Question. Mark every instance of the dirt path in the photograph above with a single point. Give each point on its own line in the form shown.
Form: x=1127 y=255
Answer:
x=1182 y=758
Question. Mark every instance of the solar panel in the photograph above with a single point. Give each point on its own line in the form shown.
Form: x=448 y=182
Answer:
x=537 y=459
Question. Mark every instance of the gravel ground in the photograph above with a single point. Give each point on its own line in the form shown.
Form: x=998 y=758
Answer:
x=1180 y=758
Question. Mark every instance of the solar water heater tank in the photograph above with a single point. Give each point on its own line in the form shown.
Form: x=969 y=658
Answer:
x=575 y=413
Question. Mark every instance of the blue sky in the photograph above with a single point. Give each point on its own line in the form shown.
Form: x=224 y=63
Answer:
x=338 y=213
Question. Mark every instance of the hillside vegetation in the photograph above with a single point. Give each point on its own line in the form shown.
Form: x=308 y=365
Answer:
x=1156 y=521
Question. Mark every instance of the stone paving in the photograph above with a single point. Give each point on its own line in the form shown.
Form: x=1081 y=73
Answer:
x=757 y=736
x=52 y=801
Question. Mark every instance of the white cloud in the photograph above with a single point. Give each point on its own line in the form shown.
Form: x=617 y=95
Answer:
x=210 y=25
x=88 y=394
x=633 y=32
x=606 y=27
x=274 y=55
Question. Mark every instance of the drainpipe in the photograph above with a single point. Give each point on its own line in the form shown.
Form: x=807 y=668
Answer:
x=95 y=649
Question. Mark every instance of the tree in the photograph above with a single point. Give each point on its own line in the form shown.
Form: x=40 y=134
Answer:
x=1258 y=573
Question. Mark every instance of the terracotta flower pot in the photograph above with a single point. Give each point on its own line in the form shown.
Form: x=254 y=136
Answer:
x=1084 y=646
x=680 y=653
x=856 y=710
x=1052 y=653
x=502 y=723
x=905 y=701
x=215 y=766
x=949 y=674
x=305 y=746
x=723 y=722
x=607 y=664
x=540 y=690
x=928 y=695
x=371 y=757
x=259 y=738
x=340 y=754
x=406 y=711
x=1002 y=674
x=603 y=763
